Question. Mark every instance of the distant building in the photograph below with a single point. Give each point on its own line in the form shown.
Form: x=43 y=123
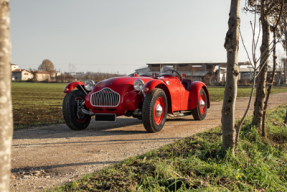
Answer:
x=278 y=78
x=55 y=74
x=246 y=76
x=21 y=75
x=14 y=67
x=208 y=72
x=42 y=76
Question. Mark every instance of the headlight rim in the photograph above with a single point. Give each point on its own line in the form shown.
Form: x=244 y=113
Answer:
x=92 y=85
x=142 y=82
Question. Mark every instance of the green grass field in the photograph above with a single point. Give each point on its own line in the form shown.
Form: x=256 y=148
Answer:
x=197 y=163
x=40 y=103
x=216 y=93
x=37 y=103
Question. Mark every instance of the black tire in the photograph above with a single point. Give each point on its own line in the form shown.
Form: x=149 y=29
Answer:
x=151 y=122
x=69 y=109
x=197 y=112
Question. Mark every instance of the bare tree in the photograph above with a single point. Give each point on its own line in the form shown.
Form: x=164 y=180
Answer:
x=253 y=65
x=6 y=117
x=231 y=45
x=274 y=31
x=264 y=49
x=47 y=65
x=34 y=73
x=267 y=9
x=253 y=62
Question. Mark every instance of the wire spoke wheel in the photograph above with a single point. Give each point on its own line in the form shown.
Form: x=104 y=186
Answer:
x=80 y=117
x=72 y=113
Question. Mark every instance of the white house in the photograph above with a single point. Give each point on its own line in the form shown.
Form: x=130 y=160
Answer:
x=21 y=75
x=14 y=67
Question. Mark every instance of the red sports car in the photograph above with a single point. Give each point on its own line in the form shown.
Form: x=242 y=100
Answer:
x=147 y=97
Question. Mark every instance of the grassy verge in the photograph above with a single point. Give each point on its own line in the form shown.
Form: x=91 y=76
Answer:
x=41 y=103
x=196 y=163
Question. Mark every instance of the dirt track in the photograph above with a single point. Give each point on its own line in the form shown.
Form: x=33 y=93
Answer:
x=45 y=157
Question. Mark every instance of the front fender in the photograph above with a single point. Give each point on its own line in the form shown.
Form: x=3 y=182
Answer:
x=194 y=91
x=149 y=86
x=74 y=84
x=132 y=100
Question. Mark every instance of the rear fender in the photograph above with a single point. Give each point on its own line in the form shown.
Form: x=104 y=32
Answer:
x=194 y=91
x=74 y=84
x=158 y=84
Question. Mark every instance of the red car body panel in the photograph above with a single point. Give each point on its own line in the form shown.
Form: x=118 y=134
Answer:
x=194 y=91
x=72 y=86
x=178 y=97
x=172 y=84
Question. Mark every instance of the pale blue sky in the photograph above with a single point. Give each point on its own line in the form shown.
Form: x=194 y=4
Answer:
x=119 y=35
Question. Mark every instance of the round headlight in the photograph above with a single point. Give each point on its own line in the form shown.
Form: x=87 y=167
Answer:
x=89 y=85
x=138 y=84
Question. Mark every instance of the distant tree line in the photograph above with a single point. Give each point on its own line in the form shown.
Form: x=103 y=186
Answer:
x=66 y=77
x=96 y=77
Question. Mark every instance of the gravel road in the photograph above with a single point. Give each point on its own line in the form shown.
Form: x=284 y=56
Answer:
x=45 y=157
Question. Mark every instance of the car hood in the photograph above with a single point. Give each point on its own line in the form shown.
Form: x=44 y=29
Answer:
x=119 y=84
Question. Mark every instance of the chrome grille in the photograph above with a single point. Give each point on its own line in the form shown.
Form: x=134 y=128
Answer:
x=105 y=98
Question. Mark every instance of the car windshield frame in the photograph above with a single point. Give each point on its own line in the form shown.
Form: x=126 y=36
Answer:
x=165 y=70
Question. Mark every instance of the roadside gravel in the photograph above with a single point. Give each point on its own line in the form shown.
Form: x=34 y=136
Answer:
x=45 y=157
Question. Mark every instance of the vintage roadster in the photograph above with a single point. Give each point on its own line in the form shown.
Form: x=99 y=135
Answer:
x=147 y=97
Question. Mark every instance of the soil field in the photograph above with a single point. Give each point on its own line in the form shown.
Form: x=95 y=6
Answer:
x=37 y=104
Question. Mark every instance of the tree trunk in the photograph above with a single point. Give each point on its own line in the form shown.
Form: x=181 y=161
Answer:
x=285 y=60
x=264 y=133
x=230 y=93
x=260 y=87
x=6 y=118
x=285 y=121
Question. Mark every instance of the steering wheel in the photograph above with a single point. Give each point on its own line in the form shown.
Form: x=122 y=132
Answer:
x=178 y=75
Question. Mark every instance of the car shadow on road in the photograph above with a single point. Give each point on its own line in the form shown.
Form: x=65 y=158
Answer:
x=97 y=143
x=50 y=167
x=179 y=119
x=77 y=143
x=123 y=126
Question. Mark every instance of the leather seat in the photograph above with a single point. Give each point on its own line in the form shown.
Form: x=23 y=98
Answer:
x=186 y=83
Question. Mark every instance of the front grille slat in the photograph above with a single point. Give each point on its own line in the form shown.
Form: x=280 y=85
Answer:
x=105 y=98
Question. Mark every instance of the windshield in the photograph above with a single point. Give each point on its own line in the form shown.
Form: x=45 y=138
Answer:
x=144 y=72
x=167 y=70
